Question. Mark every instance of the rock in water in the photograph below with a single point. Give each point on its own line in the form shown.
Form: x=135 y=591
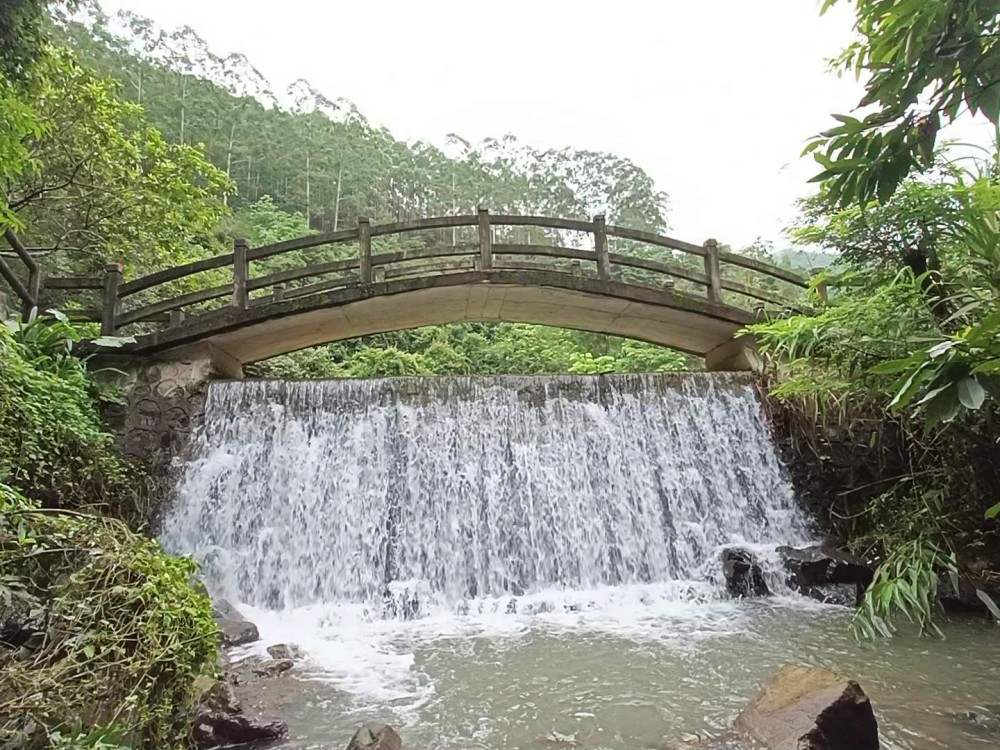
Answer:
x=744 y=576
x=375 y=737
x=819 y=564
x=219 y=729
x=234 y=629
x=281 y=651
x=806 y=708
x=273 y=667
x=219 y=722
x=844 y=594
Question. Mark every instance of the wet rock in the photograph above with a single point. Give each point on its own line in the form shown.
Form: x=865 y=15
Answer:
x=234 y=629
x=744 y=576
x=807 y=708
x=24 y=630
x=273 y=667
x=219 y=721
x=987 y=717
x=216 y=695
x=216 y=728
x=820 y=564
x=375 y=737
x=975 y=574
x=282 y=651
x=844 y=594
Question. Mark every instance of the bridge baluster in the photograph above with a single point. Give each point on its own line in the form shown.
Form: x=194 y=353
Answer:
x=713 y=270
x=241 y=270
x=601 y=248
x=821 y=288
x=365 y=250
x=112 y=301
x=485 y=241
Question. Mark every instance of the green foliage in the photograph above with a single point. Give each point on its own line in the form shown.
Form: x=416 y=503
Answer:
x=906 y=230
x=905 y=584
x=924 y=63
x=957 y=369
x=102 y=184
x=263 y=223
x=323 y=160
x=475 y=349
x=21 y=36
x=18 y=124
x=911 y=342
x=125 y=635
x=58 y=452
x=835 y=350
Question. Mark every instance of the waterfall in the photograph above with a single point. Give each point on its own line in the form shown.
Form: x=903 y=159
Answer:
x=402 y=494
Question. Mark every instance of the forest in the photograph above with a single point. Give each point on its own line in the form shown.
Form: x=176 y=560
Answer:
x=120 y=141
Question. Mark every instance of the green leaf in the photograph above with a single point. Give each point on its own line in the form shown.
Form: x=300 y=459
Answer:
x=991 y=383
x=990 y=604
x=115 y=342
x=970 y=393
x=906 y=388
x=993 y=512
x=942 y=408
x=988 y=102
x=895 y=366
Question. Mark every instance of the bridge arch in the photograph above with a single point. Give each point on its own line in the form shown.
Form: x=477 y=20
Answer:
x=584 y=288
x=234 y=336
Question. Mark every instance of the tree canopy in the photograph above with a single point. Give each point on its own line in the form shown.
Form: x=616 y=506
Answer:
x=924 y=63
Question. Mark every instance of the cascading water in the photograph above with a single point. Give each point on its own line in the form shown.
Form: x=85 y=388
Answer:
x=508 y=563
x=406 y=494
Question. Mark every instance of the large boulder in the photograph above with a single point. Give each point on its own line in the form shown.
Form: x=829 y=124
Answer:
x=744 y=575
x=807 y=708
x=821 y=564
x=825 y=573
x=375 y=737
x=219 y=720
x=234 y=628
x=217 y=729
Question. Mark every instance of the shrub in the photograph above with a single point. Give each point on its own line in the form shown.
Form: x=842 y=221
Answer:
x=52 y=447
x=120 y=635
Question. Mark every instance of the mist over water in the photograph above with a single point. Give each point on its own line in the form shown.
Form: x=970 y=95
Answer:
x=513 y=562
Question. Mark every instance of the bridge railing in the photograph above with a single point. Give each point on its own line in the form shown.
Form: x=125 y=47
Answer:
x=231 y=277
x=26 y=291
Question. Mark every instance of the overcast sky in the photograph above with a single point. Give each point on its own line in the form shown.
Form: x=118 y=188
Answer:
x=714 y=98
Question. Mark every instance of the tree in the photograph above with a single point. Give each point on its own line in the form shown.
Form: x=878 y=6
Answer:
x=908 y=230
x=925 y=62
x=102 y=184
x=21 y=36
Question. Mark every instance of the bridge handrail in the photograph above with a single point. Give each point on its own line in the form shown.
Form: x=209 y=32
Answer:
x=366 y=268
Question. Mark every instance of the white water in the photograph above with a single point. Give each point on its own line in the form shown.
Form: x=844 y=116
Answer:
x=337 y=509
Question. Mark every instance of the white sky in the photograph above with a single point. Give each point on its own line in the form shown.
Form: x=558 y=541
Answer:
x=714 y=98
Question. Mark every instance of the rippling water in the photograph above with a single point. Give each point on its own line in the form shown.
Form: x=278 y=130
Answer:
x=622 y=676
